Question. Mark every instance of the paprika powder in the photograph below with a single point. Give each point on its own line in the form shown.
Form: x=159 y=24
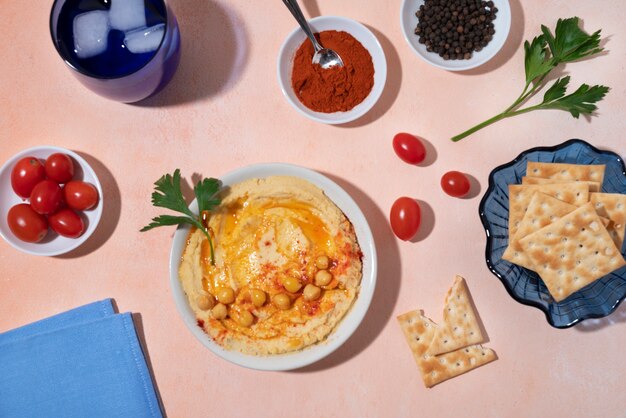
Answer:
x=336 y=89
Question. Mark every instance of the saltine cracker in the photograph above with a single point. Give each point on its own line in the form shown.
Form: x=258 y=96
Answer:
x=460 y=326
x=594 y=186
x=419 y=331
x=563 y=171
x=542 y=210
x=572 y=252
x=520 y=195
x=613 y=206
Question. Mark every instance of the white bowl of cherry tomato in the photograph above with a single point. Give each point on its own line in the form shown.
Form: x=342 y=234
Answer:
x=50 y=201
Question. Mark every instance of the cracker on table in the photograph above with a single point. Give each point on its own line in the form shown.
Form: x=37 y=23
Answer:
x=563 y=171
x=419 y=331
x=520 y=195
x=460 y=326
x=572 y=252
x=613 y=206
x=594 y=186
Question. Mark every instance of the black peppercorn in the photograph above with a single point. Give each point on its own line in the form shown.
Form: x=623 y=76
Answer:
x=454 y=29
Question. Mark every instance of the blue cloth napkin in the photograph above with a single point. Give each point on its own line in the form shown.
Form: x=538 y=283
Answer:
x=84 y=313
x=86 y=362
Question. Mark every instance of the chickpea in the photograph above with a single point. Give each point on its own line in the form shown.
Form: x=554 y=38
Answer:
x=309 y=272
x=219 y=311
x=225 y=295
x=293 y=272
x=322 y=262
x=205 y=302
x=291 y=284
x=281 y=301
x=311 y=292
x=258 y=297
x=323 y=277
x=245 y=318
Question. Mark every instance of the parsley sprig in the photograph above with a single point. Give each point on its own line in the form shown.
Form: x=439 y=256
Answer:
x=168 y=194
x=546 y=51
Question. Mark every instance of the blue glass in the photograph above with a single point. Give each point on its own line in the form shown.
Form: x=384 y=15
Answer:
x=115 y=72
x=596 y=300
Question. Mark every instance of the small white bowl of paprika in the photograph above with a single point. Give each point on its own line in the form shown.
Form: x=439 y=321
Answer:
x=336 y=95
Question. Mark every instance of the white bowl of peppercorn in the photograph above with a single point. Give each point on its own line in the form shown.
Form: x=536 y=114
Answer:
x=455 y=35
x=336 y=95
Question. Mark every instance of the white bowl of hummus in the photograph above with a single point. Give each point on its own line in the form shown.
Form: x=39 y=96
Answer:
x=293 y=273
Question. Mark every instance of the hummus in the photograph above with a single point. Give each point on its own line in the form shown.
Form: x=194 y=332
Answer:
x=291 y=258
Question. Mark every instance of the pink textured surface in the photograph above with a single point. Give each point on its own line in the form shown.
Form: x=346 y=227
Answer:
x=224 y=110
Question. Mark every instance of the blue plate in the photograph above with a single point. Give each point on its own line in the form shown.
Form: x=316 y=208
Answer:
x=596 y=300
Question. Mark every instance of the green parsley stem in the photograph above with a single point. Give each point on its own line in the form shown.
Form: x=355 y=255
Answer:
x=519 y=100
x=526 y=93
x=536 y=86
x=494 y=119
x=208 y=237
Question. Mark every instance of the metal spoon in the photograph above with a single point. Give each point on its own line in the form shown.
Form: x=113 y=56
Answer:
x=325 y=57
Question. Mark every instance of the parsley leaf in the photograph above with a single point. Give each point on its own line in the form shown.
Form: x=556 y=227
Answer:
x=205 y=192
x=571 y=43
x=535 y=62
x=168 y=194
x=557 y=90
x=166 y=220
x=581 y=101
x=544 y=53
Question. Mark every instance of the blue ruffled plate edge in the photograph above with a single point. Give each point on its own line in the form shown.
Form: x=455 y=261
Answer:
x=547 y=305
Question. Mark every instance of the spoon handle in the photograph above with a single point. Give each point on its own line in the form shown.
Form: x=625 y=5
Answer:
x=295 y=10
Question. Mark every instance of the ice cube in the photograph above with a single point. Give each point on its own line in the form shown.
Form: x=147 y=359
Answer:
x=127 y=14
x=142 y=40
x=91 y=31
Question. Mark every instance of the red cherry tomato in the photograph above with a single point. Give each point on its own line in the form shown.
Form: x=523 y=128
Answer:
x=67 y=223
x=409 y=148
x=26 y=224
x=25 y=175
x=80 y=195
x=46 y=197
x=59 y=167
x=405 y=218
x=455 y=184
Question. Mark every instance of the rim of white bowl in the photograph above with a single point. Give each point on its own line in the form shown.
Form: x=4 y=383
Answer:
x=346 y=327
x=503 y=6
x=93 y=223
x=356 y=112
